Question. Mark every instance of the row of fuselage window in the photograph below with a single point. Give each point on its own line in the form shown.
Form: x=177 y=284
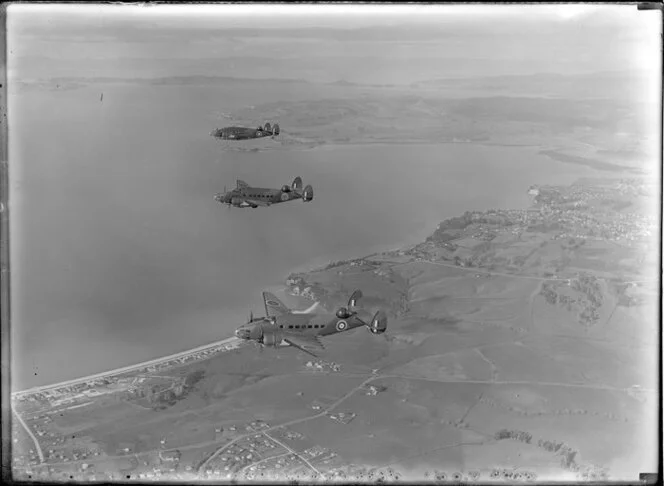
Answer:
x=264 y=196
x=308 y=326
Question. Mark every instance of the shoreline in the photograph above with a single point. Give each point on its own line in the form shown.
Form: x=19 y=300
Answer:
x=133 y=367
x=124 y=369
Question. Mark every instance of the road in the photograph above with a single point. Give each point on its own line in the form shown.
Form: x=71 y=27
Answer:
x=373 y=377
x=295 y=453
x=32 y=436
x=292 y=422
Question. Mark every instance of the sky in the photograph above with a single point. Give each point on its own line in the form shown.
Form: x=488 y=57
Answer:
x=499 y=39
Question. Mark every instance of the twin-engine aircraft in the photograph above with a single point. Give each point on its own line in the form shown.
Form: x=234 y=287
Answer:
x=245 y=133
x=244 y=196
x=281 y=326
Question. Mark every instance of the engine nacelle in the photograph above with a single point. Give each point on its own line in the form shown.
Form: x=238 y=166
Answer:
x=308 y=193
x=378 y=324
x=285 y=188
x=271 y=338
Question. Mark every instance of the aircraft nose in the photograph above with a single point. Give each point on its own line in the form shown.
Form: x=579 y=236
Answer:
x=242 y=333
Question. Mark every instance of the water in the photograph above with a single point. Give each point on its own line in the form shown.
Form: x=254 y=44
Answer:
x=120 y=254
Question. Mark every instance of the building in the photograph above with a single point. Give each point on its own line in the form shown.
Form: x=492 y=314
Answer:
x=170 y=456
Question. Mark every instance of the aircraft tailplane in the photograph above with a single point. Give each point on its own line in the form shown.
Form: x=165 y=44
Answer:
x=297 y=183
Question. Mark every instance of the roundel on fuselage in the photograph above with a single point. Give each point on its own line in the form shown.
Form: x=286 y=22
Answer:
x=341 y=325
x=284 y=197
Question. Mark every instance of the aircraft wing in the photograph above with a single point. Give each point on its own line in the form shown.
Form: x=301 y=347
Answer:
x=273 y=306
x=306 y=343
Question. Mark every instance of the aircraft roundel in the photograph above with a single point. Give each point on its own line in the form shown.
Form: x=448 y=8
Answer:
x=284 y=197
x=272 y=303
x=341 y=325
x=259 y=134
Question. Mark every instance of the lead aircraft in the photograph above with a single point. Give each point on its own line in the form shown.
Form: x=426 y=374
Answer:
x=284 y=327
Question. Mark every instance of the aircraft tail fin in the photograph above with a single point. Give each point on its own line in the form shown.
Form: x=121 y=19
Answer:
x=308 y=193
x=297 y=183
x=355 y=296
x=378 y=324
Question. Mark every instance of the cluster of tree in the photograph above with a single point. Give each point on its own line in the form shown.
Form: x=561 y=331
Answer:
x=547 y=196
x=519 y=435
x=550 y=446
x=294 y=279
x=568 y=455
x=519 y=260
x=589 y=285
x=161 y=395
x=464 y=262
x=594 y=473
x=336 y=264
x=589 y=316
x=549 y=294
x=574 y=243
x=458 y=222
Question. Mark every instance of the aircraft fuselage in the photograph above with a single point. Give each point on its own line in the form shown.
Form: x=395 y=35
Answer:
x=271 y=196
x=314 y=325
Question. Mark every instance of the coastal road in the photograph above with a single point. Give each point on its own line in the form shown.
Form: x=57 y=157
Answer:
x=32 y=436
x=126 y=369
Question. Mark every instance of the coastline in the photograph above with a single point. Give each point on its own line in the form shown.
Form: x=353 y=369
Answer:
x=124 y=369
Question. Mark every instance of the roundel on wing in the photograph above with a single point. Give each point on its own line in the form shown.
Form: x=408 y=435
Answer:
x=272 y=303
x=341 y=325
x=284 y=197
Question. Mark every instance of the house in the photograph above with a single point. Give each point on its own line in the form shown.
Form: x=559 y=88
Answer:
x=170 y=456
